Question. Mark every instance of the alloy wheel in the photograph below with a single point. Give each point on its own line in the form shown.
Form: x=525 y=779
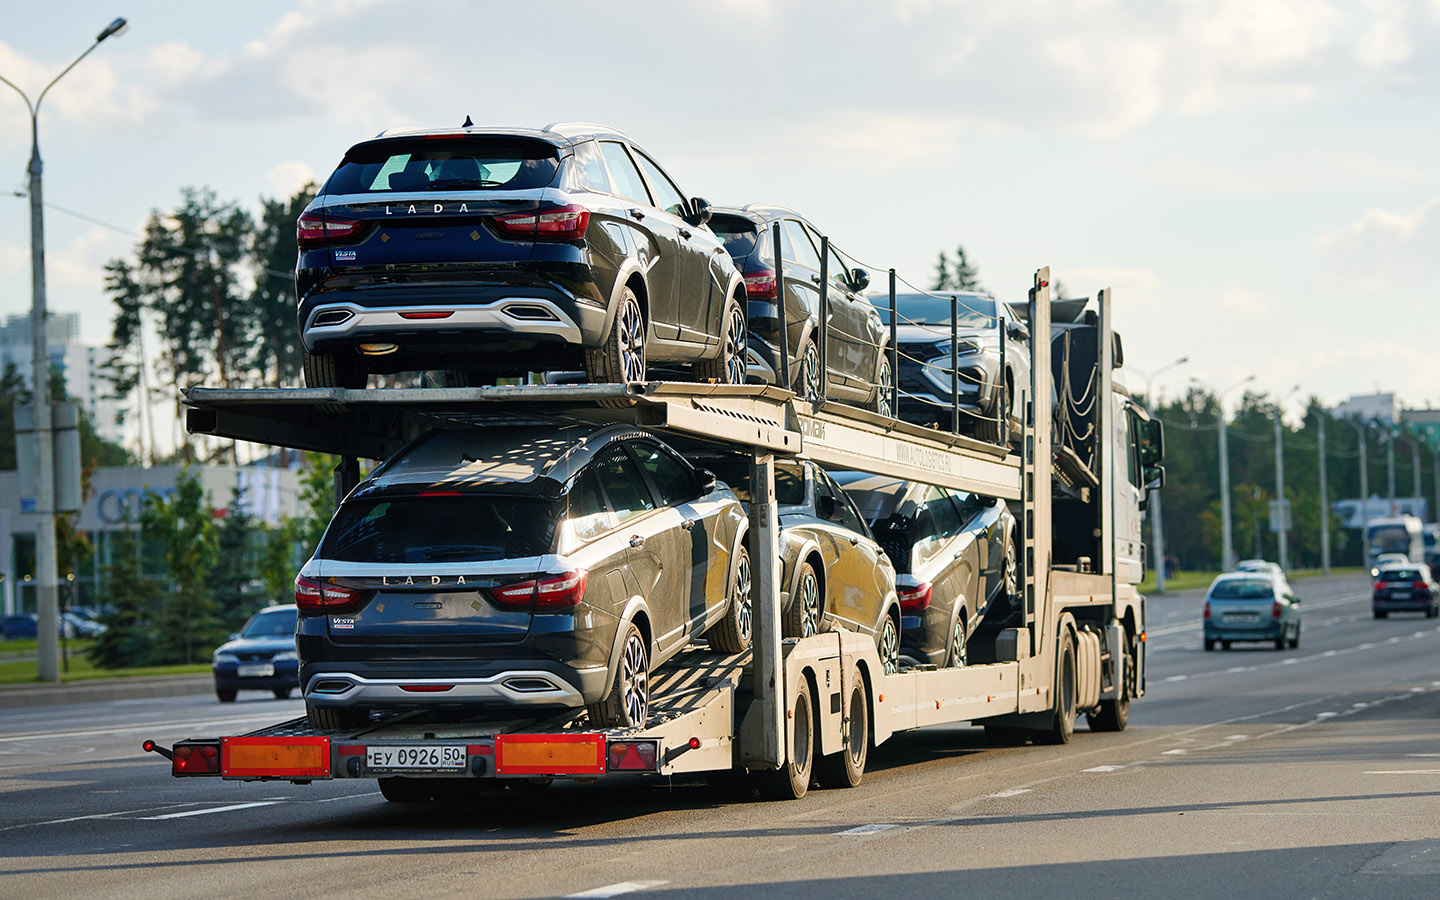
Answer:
x=743 y=603
x=810 y=374
x=635 y=680
x=1012 y=579
x=890 y=646
x=957 y=644
x=810 y=598
x=632 y=342
x=885 y=387
x=735 y=341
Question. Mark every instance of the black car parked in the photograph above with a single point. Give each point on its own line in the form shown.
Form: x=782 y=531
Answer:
x=1405 y=587
x=492 y=252
x=519 y=570
x=856 y=344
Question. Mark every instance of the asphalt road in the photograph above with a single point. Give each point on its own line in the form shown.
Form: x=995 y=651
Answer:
x=1255 y=773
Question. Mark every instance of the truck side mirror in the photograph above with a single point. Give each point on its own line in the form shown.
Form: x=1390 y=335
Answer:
x=1154 y=478
x=1152 y=444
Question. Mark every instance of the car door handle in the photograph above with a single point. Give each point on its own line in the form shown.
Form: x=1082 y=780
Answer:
x=685 y=233
x=637 y=541
x=688 y=524
x=636 y=214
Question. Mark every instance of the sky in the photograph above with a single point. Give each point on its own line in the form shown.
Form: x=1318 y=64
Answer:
x=1256 y=180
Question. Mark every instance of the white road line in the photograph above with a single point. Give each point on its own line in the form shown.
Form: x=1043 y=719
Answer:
x=1013 y=792
x=1103 y=769
x=1405 y=772
x=1175 y=752
x=620 y=887
x=159 y=726
x=206 y=812
x=869 y=829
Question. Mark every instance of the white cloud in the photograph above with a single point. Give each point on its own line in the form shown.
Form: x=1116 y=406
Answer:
x=1131 y=288
x=289 y=176
x=1244 y=303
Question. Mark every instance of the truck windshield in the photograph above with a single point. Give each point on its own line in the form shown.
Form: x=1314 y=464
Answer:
x=1389 y=539
x=439 y=529
x=1241 y=589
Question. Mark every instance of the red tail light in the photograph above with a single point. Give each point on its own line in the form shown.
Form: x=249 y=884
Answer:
x=1276 y=610
x=195 y=759
x=1421 y=586
x=557 y=223
x=1379 y=585
x=1207 y=609
x=313 y=230
x=317 y=597
x=551 y=592
x=914 y=599
x=760 y=285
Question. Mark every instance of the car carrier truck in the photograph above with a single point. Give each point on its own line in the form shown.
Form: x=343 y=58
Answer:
x=790 y=710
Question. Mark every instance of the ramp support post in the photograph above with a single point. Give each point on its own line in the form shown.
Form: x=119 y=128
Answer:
x=767 y=751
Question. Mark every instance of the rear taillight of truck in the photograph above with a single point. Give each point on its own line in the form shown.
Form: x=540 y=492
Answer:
x=315 y=230
x=553 y=223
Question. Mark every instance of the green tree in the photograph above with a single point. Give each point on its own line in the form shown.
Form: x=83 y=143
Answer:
x=280 y=558
x=942 y=273
x=957 y=274
x=133 y=602
x=233 y=580
x=278 y=354
x=184 y=530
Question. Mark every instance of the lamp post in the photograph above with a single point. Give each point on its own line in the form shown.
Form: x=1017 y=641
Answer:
x=1157 y=527
x=1281 y=530
x=1227 y=534
x=1364 y=493
x=46 y=601
x=1414 y=443
x=1320 y=417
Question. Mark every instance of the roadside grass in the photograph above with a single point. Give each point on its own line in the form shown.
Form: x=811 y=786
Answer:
x=1186 y=581
x=82 y=669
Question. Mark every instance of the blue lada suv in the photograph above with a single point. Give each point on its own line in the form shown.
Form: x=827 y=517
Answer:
x=490 y=252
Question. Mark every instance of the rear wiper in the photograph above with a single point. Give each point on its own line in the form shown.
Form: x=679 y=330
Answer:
x=457 y=553
x=444 y=184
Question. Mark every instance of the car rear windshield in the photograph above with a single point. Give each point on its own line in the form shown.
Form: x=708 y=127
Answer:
x=1400 y=575
x=735 y=471
x=1242 y=589
x=460 y=164
x=922 y=309
x=440 y=529
x=270 y=624
x=740 y=236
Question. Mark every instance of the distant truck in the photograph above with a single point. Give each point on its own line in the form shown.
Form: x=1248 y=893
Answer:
x=1395 y=534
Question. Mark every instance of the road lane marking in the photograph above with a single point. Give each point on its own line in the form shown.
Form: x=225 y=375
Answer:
x=1404 y=772
x=206 y=812
x=132 y=729
x=1175 y=752
x=1013 y=792
x=123 y=812
x=1103 y=769
x=620 y=887
x=869 y=829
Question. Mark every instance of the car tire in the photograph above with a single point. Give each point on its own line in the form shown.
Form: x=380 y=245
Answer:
x=1114 y=715
x=1281 y=641
x=884 y=385
x=1224 y=645
x=282 y=693
x=1062 y=726
x=807 y=382
x=330 y=370
x=406 y=790
x=732 y=633
x=792 y=780
x=806 y=613
x=621 y=359
x=1380 y=613
x=888 y=643
x=846 y=767
x=466 y=378
x=627 y=705
x=955 y=654
x=225 y=695
x=728 y=366
x=993 y=430
x=1209 y=644
x=1432 y=612
x=324 y=718
x=1295 y=640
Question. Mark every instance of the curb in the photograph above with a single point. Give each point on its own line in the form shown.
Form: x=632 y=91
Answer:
x=98 y=690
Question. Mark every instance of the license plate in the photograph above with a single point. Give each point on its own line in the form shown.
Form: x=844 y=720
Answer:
x=1241 y=617
x=428 y=757
x=1399 y=595
x=258 y=670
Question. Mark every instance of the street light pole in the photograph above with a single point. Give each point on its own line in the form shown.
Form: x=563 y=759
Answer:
x=1324 y=500
x=47 y=606
x=1390 y=464
x=1227 y=534
x=1157 y=527
x=1281 y=531
x=1364 y=494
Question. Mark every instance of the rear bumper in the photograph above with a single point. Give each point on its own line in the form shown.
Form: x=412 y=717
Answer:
x=513 y=684
x=1268 y=631
x=1408 y=604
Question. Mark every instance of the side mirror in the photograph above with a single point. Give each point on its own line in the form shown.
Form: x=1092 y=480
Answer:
x=1154 y=478
x=825 y=506
x=989 y=501
x=705 y=481
x=1017 y=331
x=700 y=211
x=234 y=636
x=1294 y=599
x=859 y=279
x=1152 y=443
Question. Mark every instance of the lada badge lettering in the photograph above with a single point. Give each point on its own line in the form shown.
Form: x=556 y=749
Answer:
x=387 y=581
x=439 y=208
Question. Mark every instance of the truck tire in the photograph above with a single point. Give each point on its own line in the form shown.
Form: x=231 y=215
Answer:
x=845 y=768
x=324 y=718
x=405 y=790
x=1063 y=725
x=728 y=366
x=732 y=633
x=1114 y=715
x=628 y=703
x=792 y=780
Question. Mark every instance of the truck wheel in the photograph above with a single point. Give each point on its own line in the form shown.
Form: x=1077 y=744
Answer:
x=1063 y=725
x=732 y=633
x=807 y=606
x=327 y=370
x=628 y=703
x=324 y=718
x=225 y=695
x=405 y=790
x=1114 y=715
x=728 y=366
x=845 y=768
x=622 y=357
x=792 y=780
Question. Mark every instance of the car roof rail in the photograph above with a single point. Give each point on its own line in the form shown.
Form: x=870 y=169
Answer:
x=569 y=128
x=756 y=207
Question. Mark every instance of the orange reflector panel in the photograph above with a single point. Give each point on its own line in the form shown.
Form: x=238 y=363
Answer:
x=275 y=757
x=549 y=754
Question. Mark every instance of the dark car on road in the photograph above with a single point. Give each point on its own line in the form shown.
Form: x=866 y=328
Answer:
x=1405 y=587
x=833 y=573
x=489 y=252
x=987 y=392
x=261 y=657
x=520 y=570
x=954 y=556
x=856 y=358
x=1251 y=606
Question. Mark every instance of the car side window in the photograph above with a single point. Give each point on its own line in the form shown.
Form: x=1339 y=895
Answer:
x=941 y=518
x=628 y=182
x=593 y=175
x=623 y=485
x=797 y=247
x=667 y=196
x=849 y=515
x=590 y=514
x=838 y=271
x=823 y=490
x=671 y=477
